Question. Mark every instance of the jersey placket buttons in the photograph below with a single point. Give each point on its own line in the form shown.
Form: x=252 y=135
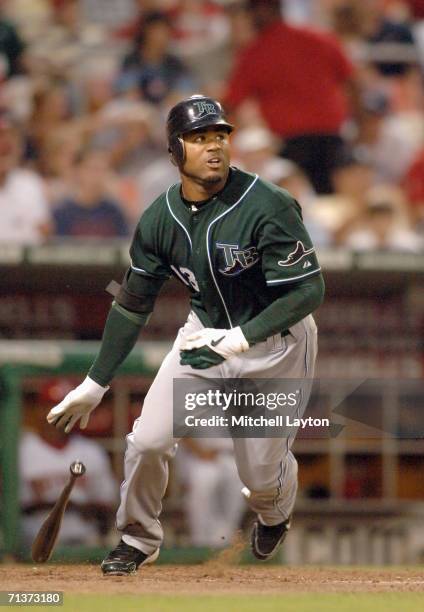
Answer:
x=196 y=218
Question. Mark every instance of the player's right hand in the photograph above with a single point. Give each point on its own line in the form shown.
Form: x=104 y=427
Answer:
x=78 y=404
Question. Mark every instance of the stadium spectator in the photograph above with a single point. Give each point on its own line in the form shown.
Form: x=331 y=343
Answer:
x=214 y=503
x=24 y=212
x=111 y=13
x=90 y=211
x=346 y=19
x=56 y=160
x=254 y=147
x=129 y=29
x=211 y=69
x=200 y=33
x=127 y=128
x=414 y=188
x=199 y=27
x=150 y=68
x=381 y=132
x=29 y=17
x=242 y=30
x=155 y=178
x=11 y=47
x=416 y=7
x=383 y=229
x=45 y=454
x=302 y=12
x=352 y=178
x=391 y=42
x=51 y=110
x=301 y=80
x=67 y=42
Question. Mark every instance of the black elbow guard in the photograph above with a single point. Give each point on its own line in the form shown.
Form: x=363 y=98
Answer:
x=140 y=302
x=135 y=303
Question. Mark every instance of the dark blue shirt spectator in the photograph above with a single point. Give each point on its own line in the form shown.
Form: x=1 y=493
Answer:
x=103 y=220
x=11 y=49
x=150 y=68
x=90 y=210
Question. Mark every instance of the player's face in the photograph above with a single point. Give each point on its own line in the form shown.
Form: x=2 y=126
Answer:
x=207 y=156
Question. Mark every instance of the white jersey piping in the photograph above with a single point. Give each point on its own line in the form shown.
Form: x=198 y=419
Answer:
x=292 y=278
x=176 y=219
x=139 y=270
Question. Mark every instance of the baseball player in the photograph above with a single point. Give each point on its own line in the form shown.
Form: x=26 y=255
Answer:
x=239 y=245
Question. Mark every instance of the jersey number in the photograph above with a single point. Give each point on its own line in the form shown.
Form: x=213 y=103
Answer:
x=187 y=277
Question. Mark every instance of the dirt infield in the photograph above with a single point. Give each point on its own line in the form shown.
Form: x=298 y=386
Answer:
x=211 y=578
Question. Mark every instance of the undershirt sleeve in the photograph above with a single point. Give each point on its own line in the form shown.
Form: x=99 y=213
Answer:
x=120 y=334
x=129 y=313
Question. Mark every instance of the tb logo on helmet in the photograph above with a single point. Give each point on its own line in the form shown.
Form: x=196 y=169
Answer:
x=205 y=108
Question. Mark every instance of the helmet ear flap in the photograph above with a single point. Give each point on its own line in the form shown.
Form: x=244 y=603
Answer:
x=176 y=150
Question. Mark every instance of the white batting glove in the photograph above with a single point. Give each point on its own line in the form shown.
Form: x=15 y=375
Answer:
x=225 y=342
x=78 y=404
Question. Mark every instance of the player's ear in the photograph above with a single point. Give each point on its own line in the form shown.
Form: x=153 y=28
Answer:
x=171 y=157
x=176 y=151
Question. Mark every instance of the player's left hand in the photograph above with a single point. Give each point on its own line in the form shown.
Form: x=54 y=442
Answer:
x=209 y=347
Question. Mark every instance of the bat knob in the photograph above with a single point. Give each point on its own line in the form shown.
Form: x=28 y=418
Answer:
x=77 y=468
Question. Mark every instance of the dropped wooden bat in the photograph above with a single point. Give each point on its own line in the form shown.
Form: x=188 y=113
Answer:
x=45 y=540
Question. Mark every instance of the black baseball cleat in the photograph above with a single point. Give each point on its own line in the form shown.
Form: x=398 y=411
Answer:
x=265 y=540
x=125 y=559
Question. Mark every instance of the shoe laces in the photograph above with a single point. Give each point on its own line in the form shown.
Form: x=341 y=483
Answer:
x=123 y=550
x=273 y=530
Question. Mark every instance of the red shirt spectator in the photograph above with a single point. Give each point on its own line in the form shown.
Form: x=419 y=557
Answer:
x=414 y=181
x=417 y=8
x=299 y=79
x=297 y=75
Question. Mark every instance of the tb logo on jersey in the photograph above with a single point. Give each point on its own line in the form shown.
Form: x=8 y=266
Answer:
x=237 y=260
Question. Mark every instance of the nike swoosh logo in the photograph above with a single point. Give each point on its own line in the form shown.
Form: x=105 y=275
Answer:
x=216 y=342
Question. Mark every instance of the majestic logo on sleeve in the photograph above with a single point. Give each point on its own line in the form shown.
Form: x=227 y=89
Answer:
x=205 y=108
x=237 y=260
x=295 y=256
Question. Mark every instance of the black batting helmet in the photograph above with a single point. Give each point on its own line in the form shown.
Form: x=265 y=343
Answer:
x=194 y=113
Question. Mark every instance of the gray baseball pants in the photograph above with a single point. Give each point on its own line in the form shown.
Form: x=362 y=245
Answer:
x=266 y=466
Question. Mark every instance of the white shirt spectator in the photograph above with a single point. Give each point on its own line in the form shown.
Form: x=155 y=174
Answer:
x=403 y=133
x=155 y=179
x=399 y=240
x=23 y=208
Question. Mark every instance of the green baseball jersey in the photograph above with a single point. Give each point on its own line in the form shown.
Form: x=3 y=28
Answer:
x=236 y=253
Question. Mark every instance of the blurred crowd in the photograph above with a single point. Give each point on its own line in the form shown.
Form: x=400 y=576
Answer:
x=327 y=95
